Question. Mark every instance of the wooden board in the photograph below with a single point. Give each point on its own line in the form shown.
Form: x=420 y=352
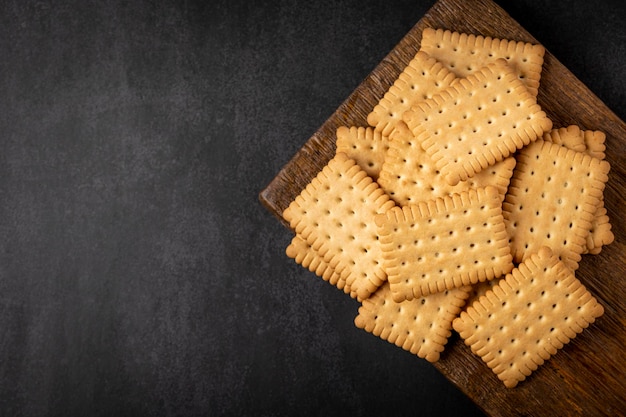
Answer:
x=588 y=376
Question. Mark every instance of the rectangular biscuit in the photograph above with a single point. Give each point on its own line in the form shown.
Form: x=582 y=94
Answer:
x=552 y=201
x=335 y=214
x=444 y=243
x=477 y=122
x=365 y=145
x=530 y=314
x=409 y=175
x=421 y=326
x=463 y=54
x=590 y=142
x=421 y=78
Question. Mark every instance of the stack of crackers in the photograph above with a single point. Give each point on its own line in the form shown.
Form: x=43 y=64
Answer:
x=461 y=207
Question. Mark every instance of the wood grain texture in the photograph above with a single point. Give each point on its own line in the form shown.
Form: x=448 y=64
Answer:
x=588 y=376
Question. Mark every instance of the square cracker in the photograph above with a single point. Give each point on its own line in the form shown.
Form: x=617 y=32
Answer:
x=421 y=326
x=535 y=310
x=335 y=214
x=409 y=175
x=463 y=53
x=303 y=254
x=422 y=77
x=365 y=145
x=444 y=243
x=552 y=201
x=477 y=122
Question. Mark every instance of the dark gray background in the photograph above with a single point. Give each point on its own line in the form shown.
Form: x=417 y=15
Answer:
x=139 y=274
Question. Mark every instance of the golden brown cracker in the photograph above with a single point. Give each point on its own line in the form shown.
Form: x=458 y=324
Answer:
x=552 y=200
x=303 y=254
x=421 y=326
x=421 y=78
x=335 y=214
x=477 y=122
x=365 y=145
x=571 y=137
x=590 y=142
x=534 y=311
x=444 y=243
x=409 y=175
x=463 y=54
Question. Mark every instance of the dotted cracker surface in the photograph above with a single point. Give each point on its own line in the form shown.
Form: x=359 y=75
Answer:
x=552 y=201
x=463 y=54
x=335 y=214
x=590 y=142
x=444 y=243
x=421 y=326
x=409 y=175
x=477 y=122
x=366 y=146
x=303 y=254
x=535 y=310
x=421 y=78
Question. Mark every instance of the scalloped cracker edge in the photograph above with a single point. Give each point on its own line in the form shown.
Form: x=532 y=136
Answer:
x=303 y=254
x=365 y=145
x=409 y=175
x=591 y=142
x=420 y=326
x=335 y=215
x=552 y=201
x=525 y=319
x=463 y=53
x=444 y=243
x=421 y=79
x=477 y=122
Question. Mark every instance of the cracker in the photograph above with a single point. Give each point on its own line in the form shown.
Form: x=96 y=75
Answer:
x=366 y=146
x=444 y=243
x=409 y=175
x=571 y=137
x=421 y=78
x=421 y=326
x=600 y=233
x=590 y=142
x=552 y=200
x=303 y=254
x=477 y=121
x=595 y=143
x=335 y=214
x=480 y=289
x=464 y=54
x=534 y=311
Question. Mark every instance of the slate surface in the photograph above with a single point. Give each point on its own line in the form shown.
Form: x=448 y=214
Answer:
x=139 y=274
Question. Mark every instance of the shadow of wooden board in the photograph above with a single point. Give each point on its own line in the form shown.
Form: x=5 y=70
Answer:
x=586 y=377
